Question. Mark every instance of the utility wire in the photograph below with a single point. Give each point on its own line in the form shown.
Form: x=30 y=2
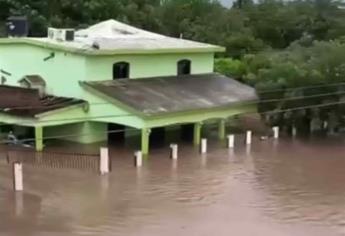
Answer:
x=74 y=120
x=259 y=92
x=251 y=102
x=138 y=130
x=90 y=118
x=301 y=87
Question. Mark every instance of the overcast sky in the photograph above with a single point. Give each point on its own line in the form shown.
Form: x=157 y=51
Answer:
x=226 y=2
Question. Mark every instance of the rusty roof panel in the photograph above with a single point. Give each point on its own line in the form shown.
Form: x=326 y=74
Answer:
x=159 y=95
x=27 y=102
x=16 y=96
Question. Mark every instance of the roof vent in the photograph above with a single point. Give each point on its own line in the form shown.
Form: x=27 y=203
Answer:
x=61 y=34
x=17 y=26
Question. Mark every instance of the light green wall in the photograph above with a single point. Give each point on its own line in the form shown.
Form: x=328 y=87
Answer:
x=141 y=66
x=85 y=132
x=61 y=72
x=102 y=110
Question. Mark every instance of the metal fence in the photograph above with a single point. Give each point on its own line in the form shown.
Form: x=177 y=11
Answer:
x=89 y=162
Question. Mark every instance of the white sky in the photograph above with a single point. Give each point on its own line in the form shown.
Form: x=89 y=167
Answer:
x=226 y=3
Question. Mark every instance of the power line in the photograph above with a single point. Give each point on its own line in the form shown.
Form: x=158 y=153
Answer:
x=76 y=135
x=73 y=120
x=251 y=102
x=301 y=87
x=90 y=118
x=295 y=98
x=137 y=130
x=259 y=91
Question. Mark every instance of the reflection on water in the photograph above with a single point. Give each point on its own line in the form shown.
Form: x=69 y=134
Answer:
x=282 y=188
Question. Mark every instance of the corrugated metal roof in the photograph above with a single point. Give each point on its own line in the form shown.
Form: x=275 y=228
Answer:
x=27 y=102
x=161 y=95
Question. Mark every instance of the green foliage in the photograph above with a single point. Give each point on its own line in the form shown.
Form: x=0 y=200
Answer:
x=286 y=74
x=230 y=67
x=246 y=28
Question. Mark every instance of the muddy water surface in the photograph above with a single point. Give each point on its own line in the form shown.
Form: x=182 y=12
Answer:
x=285 y=188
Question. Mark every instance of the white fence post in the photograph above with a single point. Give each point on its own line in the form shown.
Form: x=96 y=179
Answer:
x=249 y=137
x=104 y=160
x=203 y=148
x=231 y=141
x=294 y=131
x=138 y=155
x=174 y=151
x=18 y=176
x=275 y=132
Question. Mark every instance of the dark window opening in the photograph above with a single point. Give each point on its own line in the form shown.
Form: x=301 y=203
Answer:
x=184 y=67
x=121 y=70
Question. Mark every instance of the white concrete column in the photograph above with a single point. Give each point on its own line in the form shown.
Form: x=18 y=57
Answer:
x=203 y=148
x=275 y=132
x=104 y=160
x=248 y=150
x=138 y=161
x=231 y=141
x=18 y=176
x=249 y=137
x=174 y=151
x=294 y=131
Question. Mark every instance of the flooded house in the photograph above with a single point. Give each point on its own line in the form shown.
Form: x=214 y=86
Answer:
x=99 y=83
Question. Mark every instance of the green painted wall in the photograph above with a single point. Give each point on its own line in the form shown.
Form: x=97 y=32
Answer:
x=61 y=72
x=141 y=66
x=85 y=132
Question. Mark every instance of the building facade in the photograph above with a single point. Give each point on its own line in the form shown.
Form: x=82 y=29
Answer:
x=116 y=74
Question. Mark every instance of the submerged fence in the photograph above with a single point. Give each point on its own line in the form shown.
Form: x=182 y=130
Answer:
x=88 y=162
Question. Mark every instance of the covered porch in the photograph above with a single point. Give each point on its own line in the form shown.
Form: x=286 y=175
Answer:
x=28 y=114
x=161 y=102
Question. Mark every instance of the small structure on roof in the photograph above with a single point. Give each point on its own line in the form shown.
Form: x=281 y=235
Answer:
x=27 y=102
x=34 y=82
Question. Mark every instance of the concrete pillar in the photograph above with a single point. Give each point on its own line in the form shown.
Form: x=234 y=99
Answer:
x=275 y=132
x=39 y=138
x=145 y=141
x=104 y=161
x=221 y=129
x=203 y=148
x=197 y=134
x=138 y=159
x=18 y=176
x=231 y=141
x=294 y=131
x=174 y=151
x=249 y=137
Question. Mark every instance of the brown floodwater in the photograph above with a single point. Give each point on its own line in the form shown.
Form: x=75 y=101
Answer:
x=290 y=187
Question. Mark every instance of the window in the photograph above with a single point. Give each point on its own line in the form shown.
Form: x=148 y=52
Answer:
x=184 y=67
x=121 y=70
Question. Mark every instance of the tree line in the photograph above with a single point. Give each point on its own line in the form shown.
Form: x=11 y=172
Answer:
x=270 y=44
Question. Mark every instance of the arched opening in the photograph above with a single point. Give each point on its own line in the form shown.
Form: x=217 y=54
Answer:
x=184 y=67
x=121 y=70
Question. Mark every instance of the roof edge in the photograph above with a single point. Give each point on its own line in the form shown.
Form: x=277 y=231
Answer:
x=48 y=45
x=90 y=89
x=62 y=109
